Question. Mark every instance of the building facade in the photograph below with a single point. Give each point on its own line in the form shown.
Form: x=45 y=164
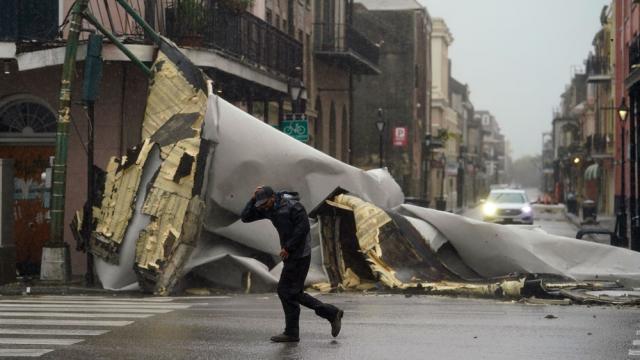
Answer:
x=398 y=96
x=444 y=122
x=251 y=62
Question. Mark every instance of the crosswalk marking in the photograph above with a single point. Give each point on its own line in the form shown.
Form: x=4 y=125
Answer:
x=64 y=322
x=634 y=352
x=119 y=303
x=71 y=315
x=636 y=342
x=53 y=321
x=63 y=332
x=24 y=352
x=64 y=308
x=38 y=341
x=112 y=298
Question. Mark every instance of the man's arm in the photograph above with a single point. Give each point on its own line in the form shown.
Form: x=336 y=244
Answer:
x=301 y=228
x=250 y=213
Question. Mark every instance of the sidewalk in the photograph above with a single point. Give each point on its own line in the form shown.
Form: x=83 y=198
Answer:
x=603 y=222
x=38 y=287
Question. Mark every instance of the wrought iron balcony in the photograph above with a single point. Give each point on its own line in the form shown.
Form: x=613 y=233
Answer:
x=634 y=54
x=207 y=24
x=597 y=145
x=341 y=42
x=598 y=69
x=237 y=33
x=29 y=20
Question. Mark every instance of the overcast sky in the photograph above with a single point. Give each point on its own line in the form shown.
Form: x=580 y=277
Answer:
x=517 y=56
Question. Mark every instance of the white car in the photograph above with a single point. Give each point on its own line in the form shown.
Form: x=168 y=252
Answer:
x=507 y=206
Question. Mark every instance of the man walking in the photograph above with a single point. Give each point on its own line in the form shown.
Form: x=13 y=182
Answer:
x=290 y=219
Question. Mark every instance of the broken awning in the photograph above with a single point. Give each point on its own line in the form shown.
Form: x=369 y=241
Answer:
x=592 y=172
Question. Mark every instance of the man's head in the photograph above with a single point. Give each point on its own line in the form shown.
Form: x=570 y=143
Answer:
x=265 y=198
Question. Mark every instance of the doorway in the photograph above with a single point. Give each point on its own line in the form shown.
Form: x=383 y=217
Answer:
x=27 y=135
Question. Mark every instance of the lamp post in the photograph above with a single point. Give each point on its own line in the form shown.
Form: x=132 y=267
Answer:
x=298 y=93
x=380 y=125
x=623 y=113
x=440 y=203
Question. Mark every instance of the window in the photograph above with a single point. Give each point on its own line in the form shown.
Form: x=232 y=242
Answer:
x=269 y=17
x=26 y=115
x=506 y=198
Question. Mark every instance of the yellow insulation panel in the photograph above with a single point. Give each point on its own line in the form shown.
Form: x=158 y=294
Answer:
x=119 y=198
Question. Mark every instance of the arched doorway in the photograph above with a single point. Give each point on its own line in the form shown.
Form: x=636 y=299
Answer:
x=333 y=143
x=318 y=125
x=27 y=135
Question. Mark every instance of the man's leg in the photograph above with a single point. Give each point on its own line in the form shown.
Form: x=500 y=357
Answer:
x=325 y=311
x=287 y=292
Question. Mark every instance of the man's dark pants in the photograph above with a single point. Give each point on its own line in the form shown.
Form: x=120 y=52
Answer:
x=292 y=295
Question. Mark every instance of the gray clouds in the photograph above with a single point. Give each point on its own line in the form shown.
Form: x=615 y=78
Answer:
x=517 y=56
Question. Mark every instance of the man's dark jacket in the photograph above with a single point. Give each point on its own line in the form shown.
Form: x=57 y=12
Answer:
x=290 y=220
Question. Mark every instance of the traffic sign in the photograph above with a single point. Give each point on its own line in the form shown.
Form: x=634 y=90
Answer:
x=296 y=126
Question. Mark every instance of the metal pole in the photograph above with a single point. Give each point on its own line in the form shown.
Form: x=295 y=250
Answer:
x=635 y=232
x=632 y=170
x=87 y=223
x=62 y=132
x=623 y=206
x=147 y=28
x=381 y=154
x=55 y=264
x=90 y=18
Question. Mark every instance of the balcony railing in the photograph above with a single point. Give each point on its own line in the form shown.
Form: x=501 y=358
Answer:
x=34 y=20
x=598 y=144
x=195 y=23
x=598 y=66
x=343 y=41
x=634 y=54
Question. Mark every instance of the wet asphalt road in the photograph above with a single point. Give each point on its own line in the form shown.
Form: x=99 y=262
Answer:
x=375 y=327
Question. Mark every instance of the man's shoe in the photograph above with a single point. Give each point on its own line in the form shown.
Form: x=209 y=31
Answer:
x=336 y=324
x=285 y=338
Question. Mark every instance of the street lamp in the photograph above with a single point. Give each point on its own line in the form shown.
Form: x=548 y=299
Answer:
x=380 y=124
x=440 y=203
x=298 y=92
x=623 y=113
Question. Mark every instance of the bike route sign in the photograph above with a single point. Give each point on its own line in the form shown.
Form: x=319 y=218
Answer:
x=296 y=126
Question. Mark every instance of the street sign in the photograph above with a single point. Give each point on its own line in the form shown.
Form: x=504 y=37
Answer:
x=296 y=126
x=400 y=136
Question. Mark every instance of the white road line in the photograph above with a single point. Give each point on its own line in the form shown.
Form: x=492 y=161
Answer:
x=24 y=352
x=64 y=322
x=118 y=303
x=71 y=315
x=62 y=332
x=634 y=352
x=106 y=309
x=637 y=332
x=636 y=342
x=98 y=298
x=38 y=341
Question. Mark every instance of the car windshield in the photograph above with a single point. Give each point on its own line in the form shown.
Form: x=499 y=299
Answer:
x=507 y=198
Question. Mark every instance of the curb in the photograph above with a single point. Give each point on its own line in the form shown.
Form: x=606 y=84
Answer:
x=20 y=288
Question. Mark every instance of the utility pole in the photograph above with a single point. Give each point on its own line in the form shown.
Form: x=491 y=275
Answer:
x=56 y=265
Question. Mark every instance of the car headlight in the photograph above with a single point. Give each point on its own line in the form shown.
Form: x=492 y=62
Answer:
x=526 y=209
x=489 y=209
